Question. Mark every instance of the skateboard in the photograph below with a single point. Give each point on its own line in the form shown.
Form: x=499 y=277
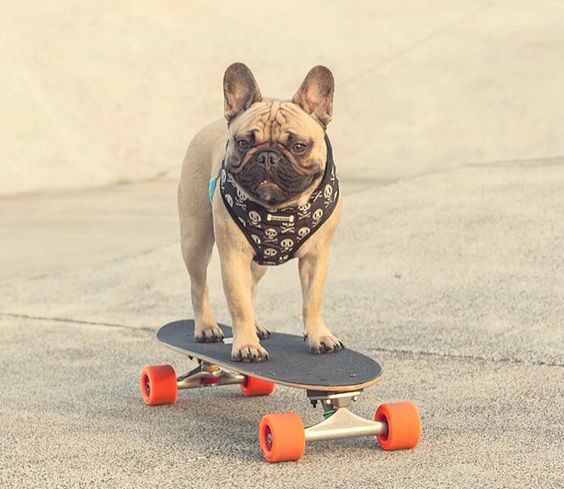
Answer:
x=332 y=380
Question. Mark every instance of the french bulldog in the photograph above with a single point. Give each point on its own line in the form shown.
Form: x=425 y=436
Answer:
x=263 y=187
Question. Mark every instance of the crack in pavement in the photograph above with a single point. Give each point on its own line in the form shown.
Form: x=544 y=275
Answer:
x=422 y=353
x=74 y=321
x=460 y=356
x=523 y=162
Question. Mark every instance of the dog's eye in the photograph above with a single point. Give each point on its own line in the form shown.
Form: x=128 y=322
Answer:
x=243 y=144
x=299 y=148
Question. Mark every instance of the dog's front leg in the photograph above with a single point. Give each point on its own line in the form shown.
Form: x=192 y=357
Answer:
x=238 y=285
x=313 y=274
x=258 y=272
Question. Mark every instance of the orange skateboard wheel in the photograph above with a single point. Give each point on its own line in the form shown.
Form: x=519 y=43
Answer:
x=282 y=437
x=158 y=385
x=404 y=425
x=256 y=387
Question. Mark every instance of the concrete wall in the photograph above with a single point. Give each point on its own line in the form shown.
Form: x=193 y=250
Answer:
x=97 y=92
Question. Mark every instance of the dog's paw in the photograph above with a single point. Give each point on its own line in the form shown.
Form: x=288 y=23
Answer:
x=210 y=333
x=249 y=353
x=324 y=344
x=262 y=332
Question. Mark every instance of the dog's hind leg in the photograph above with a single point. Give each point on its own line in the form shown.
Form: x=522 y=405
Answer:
x=197 y=244
x=197 y=240
x=196 y=222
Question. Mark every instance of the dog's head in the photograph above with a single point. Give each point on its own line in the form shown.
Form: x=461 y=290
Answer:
x=276 y=150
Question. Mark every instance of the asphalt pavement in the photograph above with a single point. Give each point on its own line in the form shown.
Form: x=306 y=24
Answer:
x=448 y=267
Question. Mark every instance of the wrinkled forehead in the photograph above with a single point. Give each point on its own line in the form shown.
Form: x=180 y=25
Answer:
x=275 y=120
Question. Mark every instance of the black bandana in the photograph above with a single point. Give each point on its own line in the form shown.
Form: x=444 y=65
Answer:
x=276 y=235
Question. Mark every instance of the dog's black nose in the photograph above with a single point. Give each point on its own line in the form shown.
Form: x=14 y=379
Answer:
x=268 y=157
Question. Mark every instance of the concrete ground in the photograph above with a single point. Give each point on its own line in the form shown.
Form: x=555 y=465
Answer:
x=448 y=267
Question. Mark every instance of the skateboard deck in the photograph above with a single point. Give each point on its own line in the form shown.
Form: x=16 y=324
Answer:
x=290 y=362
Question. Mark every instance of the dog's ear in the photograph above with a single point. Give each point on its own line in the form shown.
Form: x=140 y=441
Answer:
x=315 y=95
x=239 y=89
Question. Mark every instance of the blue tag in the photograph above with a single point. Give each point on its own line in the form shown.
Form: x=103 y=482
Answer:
x=211 y=188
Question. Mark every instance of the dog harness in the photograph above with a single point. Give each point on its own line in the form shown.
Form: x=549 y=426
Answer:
x=276 y=235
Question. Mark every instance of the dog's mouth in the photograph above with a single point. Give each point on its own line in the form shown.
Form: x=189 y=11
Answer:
x=272 y=191
x=273 y=186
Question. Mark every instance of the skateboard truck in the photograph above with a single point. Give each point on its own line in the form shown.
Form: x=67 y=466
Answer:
x=160 y=385
x=339 y=421
x=283 y=437
x=208 y=375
